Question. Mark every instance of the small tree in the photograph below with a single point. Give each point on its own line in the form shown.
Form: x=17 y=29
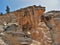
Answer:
x=1 y=13
x=7 y=9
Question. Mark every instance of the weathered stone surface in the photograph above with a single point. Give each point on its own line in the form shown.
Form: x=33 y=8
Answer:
x=26 y=17
x=55 y=22
x=2 y=42
x=29 y=19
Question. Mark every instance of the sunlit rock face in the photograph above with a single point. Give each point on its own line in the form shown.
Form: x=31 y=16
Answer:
x=42 y=34
x=29 y=19
x=48 y=37
x=55 y=22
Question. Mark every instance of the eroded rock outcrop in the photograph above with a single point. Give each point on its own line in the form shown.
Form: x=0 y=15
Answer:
x=42 y=28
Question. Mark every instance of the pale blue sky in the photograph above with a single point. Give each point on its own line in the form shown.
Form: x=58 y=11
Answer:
x=17 y=4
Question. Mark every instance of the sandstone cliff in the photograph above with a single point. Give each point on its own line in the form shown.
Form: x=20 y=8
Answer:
x=42 y=28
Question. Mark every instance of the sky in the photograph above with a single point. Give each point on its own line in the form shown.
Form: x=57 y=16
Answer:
x=17 y=4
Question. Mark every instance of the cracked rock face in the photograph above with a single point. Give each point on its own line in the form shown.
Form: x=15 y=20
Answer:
x=31 y=15
x=41 y=35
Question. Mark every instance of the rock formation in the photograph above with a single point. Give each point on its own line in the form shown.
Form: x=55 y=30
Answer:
x=42 y=28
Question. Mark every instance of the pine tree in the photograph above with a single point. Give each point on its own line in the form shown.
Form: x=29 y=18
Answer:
x=1 y=13
x=7 y=9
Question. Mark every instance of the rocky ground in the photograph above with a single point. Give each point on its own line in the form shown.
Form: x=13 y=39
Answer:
x=2 y=41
